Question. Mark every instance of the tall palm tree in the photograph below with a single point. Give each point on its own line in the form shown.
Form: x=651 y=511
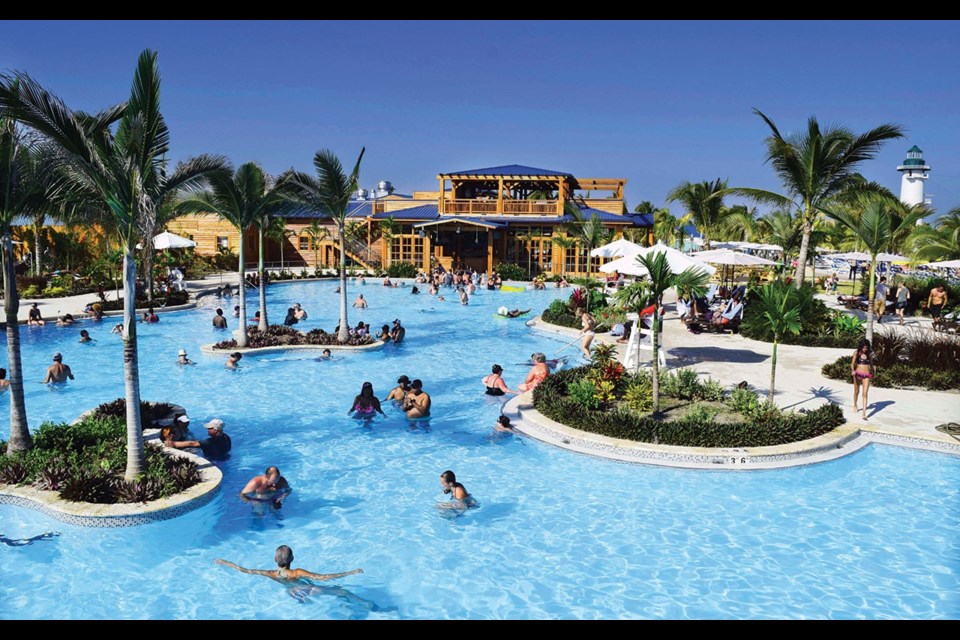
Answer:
x=644 y=207
x=528 y=238
x=778 y=309
x=876 y=227
x=317 y=233
x=328 y=193
x=741 y=223
x=277 y=230
x=23 y=191
x=589 y=232
x=918 y=212
x=242 y=198
x=119 y=173
x=818 y=168
x=781 y=228
x=704 y=204
x=640 y=295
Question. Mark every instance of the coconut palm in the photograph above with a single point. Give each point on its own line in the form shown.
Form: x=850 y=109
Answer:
x=741 y=223
x=704 y=204
x=670 y=229
x=243 y=198
x=527 y=239
x=781 y=228
x=24 y=191
x=938 y=243
x=639 y=295
x=778 y=310
x=590 y=232
x=644 y=207
x=329 y=193
x=818 y=168
x=118 y=172
x=876 y=227
x=277 y=230
x=317 y=233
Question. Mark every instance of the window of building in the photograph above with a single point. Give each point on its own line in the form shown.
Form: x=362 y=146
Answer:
x=304 y=243
x=223 y=243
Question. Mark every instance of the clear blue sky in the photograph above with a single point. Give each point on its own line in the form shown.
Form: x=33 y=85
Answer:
x=656 y=103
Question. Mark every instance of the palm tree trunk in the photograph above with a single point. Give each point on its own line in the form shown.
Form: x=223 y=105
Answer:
x=136 y=455
x=19 y=431
x=656 y=359
x=242 y=270
x=37 y=231
x=773 y=368
x=801 y=270
x=263 y=286
x=343 y=335
x=872 y=292
x=148 y=268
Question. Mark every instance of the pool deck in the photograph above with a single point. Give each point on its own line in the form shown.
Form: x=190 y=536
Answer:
x=895 y=416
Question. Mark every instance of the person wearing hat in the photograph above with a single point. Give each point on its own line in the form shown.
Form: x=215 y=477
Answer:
x=233 y=360
x=174 y=429
x=215 y=447
x=58 y=372
x=34 y=317
x=182 y=357
x=417 y=402
x=398 y=332
x=399 y=392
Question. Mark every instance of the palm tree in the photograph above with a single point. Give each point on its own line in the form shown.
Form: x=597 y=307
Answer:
x=670 y=229
x=119 y=173
x=328 y=193
x=704 y=204
x=741 y=224
x=876 y=227
x=23 y=191
x=778 y=309
x=817 y=169
x=277 y=230
x=589 y=232
x=939 y=243
x=781 y=228
x=317 y=233
x=662 y=277
x=644 y=207
x=528 y=238
x=242 y=198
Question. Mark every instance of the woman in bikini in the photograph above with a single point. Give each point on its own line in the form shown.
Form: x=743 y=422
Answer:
x=366 y=403
x=495 y=384
x=538 y=372
x=861 y=368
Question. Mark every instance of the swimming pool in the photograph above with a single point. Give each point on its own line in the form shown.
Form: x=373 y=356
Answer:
x=557 y=534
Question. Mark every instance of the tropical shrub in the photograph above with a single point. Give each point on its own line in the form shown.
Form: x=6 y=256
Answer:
x=150 y=412
x=509 y=271
x=744 y=401
x=711 y=390
x=402 y=270
x=845 y=324
x=281 y=335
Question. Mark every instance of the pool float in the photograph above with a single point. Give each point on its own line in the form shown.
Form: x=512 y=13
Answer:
x=513 y=289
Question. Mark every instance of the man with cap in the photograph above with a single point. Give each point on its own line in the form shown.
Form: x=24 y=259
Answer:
x=220 y=322
x=399 y=392
x=34 y=318
x=398 y=332
x=417 y=402
x=214 y=447
x=58 y=372
x=182 y=357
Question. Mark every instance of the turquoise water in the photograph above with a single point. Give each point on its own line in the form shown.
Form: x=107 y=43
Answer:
x=556 y=535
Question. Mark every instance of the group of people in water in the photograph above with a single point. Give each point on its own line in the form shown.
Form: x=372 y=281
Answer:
x=408 y=396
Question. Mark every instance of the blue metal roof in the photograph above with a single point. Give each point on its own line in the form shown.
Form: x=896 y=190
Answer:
x=423 y=212
x=509 y=170
x=355 y=209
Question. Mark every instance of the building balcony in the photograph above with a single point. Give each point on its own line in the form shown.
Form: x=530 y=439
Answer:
x=492 y=207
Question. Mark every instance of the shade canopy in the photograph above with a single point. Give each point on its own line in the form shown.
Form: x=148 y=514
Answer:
x=852 y=255
x=727 y=256
x=678 y=261
x=945 y=264
x=891 y=257
x=167 y=240
x=616 y=248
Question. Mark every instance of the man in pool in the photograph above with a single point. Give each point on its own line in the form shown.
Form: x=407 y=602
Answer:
x=326 y=354
x=214 y=447
x=398 y=332
x=299 y=313
x=182 y=357
x=284 y=558
x=268 y=487
x=58 y=372
x=233 y=360
x=515 y=313
x=219 y=322
x=360 y=303
x=400 y=391
x=417 y=402
x=461 y=498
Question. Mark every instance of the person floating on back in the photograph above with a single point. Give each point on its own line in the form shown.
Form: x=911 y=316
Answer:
x=284 y=558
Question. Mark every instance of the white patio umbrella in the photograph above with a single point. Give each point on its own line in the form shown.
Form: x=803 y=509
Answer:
x=852 y=255
x=729 y=257
x=891 y=257
x=944 y=264
x=167 y=240
x=678 y=261
x=616 y=248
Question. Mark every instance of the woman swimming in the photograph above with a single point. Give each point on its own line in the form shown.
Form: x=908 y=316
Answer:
x=366 y=403
x=495 y=384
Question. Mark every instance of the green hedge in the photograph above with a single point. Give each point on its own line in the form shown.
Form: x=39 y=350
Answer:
x=510 y=271
x=897 y=376
x=402 y=270
x=766 y=429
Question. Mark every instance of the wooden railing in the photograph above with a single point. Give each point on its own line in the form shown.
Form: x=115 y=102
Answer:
x=530 y=207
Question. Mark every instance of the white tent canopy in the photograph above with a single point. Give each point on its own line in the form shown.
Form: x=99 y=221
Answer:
x=945 y=264
x=167 y=240
x=678 y=261
x=616 y=248
x=726 y=256
x=881 y=257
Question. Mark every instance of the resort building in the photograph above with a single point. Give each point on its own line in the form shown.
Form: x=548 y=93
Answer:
x=477 y=218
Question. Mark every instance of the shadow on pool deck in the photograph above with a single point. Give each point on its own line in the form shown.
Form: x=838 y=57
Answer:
x=823 y=393
x=693 y=355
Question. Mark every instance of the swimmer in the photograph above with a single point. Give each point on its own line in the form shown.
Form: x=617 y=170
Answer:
x=117 y=328
x=360 y=303
x=182 y=357
x=220 y=322
x=326 y=354
x=268 y=487
x=417 y=402
x=399 y=392
x=365 y=403
x=23 y=542
x=65 y=320
x=503 y=424
x=85 y=336
x=58 y=372
x=4 y=383
x=461 y=498
x=233 y=360
x=284 y=574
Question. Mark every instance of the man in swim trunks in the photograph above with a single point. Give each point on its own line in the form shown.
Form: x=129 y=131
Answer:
x=516 y=313
x=284 y=558
x=360 y=303
x=219 y=322
x=935 y=303
x=398 y=332
x=400 y=391
x=270 y=486
x=58 y=372
x=417 y=402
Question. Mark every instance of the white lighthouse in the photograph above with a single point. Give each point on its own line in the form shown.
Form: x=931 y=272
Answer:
x=915 y=172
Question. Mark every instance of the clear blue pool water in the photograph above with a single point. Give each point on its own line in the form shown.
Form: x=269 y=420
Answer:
x=557 y=534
